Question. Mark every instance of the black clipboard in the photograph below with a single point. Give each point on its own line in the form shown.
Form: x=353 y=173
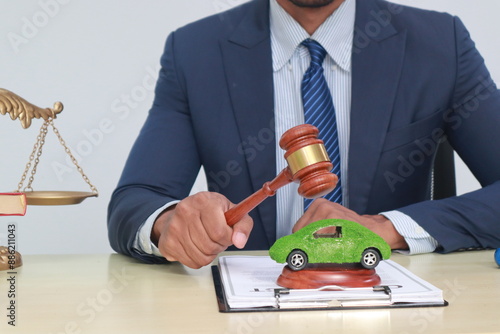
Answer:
x=225 y=308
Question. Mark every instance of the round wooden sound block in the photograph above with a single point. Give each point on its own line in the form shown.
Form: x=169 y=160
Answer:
x=315 y=276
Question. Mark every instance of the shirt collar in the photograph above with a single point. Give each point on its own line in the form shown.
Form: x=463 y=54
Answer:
x=335 y=34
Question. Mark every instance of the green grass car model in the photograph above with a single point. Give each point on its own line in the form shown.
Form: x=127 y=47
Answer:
x=331 y=241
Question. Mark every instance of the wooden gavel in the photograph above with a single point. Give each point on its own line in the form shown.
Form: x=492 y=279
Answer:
x=308 y=164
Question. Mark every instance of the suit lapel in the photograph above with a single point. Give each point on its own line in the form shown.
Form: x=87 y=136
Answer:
x=378 y=54
x=248 y=66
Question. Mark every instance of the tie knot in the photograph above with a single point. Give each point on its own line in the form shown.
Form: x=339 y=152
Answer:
x=316 y=51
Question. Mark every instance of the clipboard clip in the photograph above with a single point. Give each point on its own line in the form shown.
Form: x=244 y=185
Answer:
x=386 y=289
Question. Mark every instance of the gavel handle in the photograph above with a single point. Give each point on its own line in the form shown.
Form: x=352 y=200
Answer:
x=237 y=212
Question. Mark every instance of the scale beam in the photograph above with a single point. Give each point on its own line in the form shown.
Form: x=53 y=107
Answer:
x=17 y=107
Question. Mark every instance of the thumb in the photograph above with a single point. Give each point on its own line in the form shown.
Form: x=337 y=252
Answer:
x=241 y=231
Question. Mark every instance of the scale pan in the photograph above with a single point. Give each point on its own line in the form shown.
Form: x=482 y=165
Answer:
x=57 y=197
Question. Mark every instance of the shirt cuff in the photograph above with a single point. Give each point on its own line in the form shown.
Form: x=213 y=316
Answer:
x=418 y=240
x=142 y=242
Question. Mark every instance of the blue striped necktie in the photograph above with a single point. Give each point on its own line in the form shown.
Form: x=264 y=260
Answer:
x=320 y=112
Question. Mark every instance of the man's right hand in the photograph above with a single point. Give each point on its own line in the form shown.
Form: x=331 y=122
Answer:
x=195 y=231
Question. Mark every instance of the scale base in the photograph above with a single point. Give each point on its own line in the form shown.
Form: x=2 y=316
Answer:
x=6 y=263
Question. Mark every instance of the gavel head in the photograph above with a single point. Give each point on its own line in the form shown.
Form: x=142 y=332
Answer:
x=308 y=161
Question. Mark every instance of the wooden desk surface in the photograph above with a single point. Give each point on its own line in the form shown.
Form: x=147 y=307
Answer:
x=115 y=294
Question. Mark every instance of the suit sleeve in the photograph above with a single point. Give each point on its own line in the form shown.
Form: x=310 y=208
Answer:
x=472 y=125
x=163 y=163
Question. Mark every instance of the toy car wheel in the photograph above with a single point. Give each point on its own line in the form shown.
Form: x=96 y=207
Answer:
x=297 y=260
x=370 y=258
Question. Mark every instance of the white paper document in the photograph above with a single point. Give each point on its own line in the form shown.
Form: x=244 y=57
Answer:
x=250 y=282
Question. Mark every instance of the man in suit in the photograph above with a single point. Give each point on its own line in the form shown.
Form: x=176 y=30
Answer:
x=401 y=79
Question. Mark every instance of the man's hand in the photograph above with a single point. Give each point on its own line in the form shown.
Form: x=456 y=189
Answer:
x=195 y=230
x=324 y=209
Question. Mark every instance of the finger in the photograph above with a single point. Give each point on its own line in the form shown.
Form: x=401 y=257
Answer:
x=309 y=216
x=168 y=244
x=170 y=247
x=170 y=258
x=195 y=259
x=211 y=211
x=215 y=227
x=185 y=251
x=169 y=251
x=194 y=248
x=206 y=240
x=207 y=234
x=302 y=221
x=241 y=231
x=174 y=244
x=324 y=209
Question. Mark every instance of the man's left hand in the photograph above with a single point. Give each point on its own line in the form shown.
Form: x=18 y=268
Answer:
x=324 y=209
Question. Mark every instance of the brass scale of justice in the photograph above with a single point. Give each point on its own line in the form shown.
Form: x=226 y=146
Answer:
x=17 y=107
x=309 y=164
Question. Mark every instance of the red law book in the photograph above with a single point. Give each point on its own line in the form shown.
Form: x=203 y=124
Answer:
x=12 y=204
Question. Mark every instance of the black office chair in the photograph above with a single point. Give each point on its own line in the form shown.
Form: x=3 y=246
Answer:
x=444 y=183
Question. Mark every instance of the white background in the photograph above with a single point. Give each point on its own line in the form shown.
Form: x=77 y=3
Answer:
x=100 y=58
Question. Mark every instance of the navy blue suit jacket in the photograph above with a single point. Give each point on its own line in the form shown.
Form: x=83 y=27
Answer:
x=416 y=77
